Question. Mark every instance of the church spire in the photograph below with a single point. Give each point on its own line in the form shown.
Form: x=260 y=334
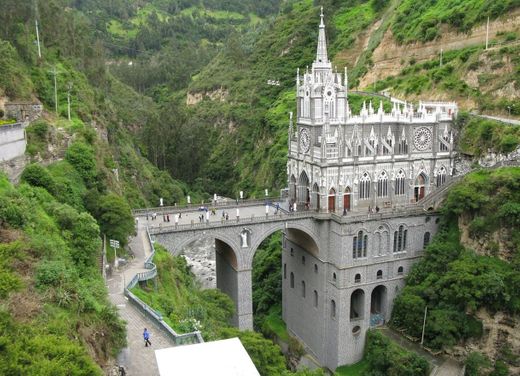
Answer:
x=321 y=53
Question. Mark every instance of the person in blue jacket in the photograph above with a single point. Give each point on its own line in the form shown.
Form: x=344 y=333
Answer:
x=146 y=337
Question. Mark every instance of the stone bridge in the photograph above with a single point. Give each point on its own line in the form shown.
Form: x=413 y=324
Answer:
x=238 y=237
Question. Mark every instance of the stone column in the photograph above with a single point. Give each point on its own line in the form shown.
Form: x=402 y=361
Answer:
x=244 y=305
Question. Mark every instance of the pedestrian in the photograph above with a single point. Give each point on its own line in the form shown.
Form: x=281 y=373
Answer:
x=146 y=337
x=168 y=217
x=227 y=216
x=344 y=211
x=147 y=216
x=377 y=209
x=180 y=216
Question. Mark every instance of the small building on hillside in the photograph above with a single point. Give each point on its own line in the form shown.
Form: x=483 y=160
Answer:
x=12 y=141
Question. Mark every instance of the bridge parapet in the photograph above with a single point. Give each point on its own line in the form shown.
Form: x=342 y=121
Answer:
x=220 y=204
x=292 y=216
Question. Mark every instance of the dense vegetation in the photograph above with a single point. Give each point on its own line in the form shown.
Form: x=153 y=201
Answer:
x=453 y=281
x=386 y=358
x=423 y=21
x=186 y=307
x=479 y=136
x=470 y=74
x=55 y=314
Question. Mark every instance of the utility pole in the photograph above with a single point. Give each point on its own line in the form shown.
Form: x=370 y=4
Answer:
x=69 y=87
x=440 y=61
x=487 y=33
x=424 y=324
x=38 y=40
x=55 y=73
x=37 y=31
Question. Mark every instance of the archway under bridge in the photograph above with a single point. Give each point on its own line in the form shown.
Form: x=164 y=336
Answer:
x=234 y=253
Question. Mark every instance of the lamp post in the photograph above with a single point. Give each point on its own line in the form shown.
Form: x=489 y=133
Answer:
x=424 y=324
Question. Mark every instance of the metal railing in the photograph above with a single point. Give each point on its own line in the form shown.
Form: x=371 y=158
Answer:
x=178 y=339
x=385 y=213
x=219 y=204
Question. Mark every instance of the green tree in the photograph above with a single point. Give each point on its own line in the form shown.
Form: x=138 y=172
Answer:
x=38 y=176
x=266 y=356
x=81 y=157
x=115 y=217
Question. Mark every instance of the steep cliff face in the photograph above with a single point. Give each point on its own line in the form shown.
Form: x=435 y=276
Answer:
x=390 y=57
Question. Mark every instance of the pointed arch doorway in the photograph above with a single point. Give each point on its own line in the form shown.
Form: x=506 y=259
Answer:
x=332 y=200
x=419 y=187
x=346 y=199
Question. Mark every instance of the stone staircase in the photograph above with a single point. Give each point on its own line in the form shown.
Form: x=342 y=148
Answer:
x=434 y=199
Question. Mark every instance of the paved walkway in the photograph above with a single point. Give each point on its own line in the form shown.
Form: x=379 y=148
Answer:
x=137 y=359
x=498 y=118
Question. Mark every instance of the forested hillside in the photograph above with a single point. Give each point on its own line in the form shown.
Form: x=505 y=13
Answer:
x=176 y=97
x=238 y=121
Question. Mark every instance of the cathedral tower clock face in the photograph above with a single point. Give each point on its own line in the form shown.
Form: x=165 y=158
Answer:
x=305 y=140
x=422 y=139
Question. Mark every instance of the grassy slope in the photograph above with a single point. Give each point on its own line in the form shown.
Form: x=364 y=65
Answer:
x=493 y=70
x=55 y=316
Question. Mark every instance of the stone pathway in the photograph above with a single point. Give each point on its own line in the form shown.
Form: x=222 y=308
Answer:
x=137 y=359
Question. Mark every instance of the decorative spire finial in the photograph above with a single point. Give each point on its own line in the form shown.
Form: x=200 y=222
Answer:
x=321 y=53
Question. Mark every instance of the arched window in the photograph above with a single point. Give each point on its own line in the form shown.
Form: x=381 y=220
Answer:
x=400 y=239
x=426 y=239
x=446 y=138
x=400 y=270
x=441 y=176
x=303 y=260
x=364 y=187
x=399 y=183
x=359 y=245
x=292 y=280
x=357 y=278
x=382 y=185
x=284 y=271
x=379 y=274
x=316 y=268
x=403 y=147
x=315 y=298
x=332 y=308
x=303 y=289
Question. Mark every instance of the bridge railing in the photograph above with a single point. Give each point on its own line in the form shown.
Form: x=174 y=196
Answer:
x=178 y=339
x=219 y=204
x=406 y=209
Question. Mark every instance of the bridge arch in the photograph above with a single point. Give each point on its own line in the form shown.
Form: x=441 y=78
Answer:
x=220 y=236
x=308 y=239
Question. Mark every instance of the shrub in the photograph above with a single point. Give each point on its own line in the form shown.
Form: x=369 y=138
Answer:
x=54 y=273
x=475 y=362
x=38 y=176
x=82 y=158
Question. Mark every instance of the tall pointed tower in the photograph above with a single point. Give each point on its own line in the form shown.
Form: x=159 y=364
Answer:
x=322 y=112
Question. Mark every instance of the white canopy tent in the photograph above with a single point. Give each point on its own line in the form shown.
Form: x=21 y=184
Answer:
x=218 y=358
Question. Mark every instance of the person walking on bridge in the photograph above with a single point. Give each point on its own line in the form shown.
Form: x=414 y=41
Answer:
x=146 y=337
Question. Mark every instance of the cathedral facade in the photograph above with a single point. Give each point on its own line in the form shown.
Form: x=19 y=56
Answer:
x=372 y=169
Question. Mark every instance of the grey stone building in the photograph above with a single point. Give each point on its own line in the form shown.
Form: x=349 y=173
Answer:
x=343 y=163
